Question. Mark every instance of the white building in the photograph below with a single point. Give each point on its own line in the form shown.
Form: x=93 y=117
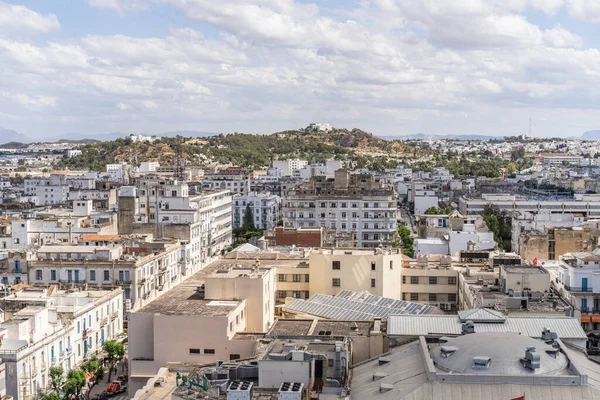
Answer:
x=149 y=166
x=349 y=203
x=578 y=280
x=73 y=153
x=236 y=180
x=46 y=328
x=289 y=166
x=265 y=209
x=49 y=190
x=117 y=172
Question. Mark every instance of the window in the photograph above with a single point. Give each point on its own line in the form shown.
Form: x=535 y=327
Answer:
x=403 y=279
x=336 y=282
x=209 y=351
x=433 y=280
x=323 y=205
x=281 y=277
x=414 y=280
x=452 y=297
x=391 y=264
x=296 y=294
x=432 y=296
x=403 y=296
x=231 y=326
x=307 y=278
x=234 y=357
x=414 y=297
x=306 y=294
x=372 y=282
x=194 y=351
x=106 y=275
x=281 y=294
x=372 y=265
x=297 y=278
x=38 y=275
x=330 y=362
x=343 y=215
x=451 y=280
x=336 y=265
x=92 y=275
x=344 y=205
x=52 y=274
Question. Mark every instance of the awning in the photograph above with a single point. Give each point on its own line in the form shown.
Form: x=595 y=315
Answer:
x=585 y=319
x=595 y=318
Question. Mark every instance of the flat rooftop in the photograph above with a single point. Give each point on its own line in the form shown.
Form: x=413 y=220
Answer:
x=186 y=301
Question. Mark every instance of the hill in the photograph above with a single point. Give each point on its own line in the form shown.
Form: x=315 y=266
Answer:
x=252 y=151
x=590 y=135
x=14 y=145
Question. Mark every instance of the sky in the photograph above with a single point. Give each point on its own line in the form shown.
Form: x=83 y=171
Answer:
x=391 y=67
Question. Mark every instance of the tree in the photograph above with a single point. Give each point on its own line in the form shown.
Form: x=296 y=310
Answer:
x=75 y=382
x=52 y=396
x=95 y=366
x=406 y=240
x=114 y=352
x=57 y=378
x=517 y=153
x=435 y=211
x=500 y=223
x=248 y=224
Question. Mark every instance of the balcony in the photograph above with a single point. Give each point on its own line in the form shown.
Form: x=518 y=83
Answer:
x=142 y=281
x=73 y=281
x=104 y=321
x=115 y=315
x=86 y=332
x=579 y=289
x=590 y=310
x=123 y=283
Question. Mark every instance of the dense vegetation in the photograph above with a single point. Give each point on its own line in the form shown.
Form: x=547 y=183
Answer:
x=500 y=223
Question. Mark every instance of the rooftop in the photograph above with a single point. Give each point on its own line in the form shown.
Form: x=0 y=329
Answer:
x=451 y=325
x=348 y=305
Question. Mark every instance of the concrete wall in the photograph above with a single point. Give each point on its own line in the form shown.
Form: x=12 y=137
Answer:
x=272 y=373
x=355 y=273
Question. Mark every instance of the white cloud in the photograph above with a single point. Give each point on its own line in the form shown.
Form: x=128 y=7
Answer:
x=33 y=101
x=584 y=10
x=22 y=21
x=121 y=7
x=281 y=63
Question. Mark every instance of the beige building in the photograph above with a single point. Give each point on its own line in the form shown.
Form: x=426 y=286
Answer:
x=376 y=271
x=431 y=280
x=201 y=321
x=554 y=242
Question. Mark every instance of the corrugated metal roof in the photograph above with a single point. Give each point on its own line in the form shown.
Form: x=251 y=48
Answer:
x=481 y=315
x=417 y=325
x=348 y=305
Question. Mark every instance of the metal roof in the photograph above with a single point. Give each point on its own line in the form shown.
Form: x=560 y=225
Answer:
x=349 y=305
x=481 y=315
x=417 y=325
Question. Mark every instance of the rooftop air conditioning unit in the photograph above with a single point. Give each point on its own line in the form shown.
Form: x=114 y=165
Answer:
x=291 y=391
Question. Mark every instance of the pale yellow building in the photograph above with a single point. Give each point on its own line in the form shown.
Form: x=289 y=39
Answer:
x=376 y=271
x=431 y=280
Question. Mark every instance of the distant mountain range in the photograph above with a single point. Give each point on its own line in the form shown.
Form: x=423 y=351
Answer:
x=8 y=135
x=424 y=136
x=591 y=135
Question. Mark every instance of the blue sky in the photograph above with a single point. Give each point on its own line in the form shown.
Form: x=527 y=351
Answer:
x=388 y=66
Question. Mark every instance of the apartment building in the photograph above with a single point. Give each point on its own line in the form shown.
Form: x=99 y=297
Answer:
x=167 y=208
x=14 y=266
x=587 y=205
x=203 y=320
x=143 y=268
x=431 y=280
x=235 y=179
x=265 y=209
x=290 y=166
x=577 y=279
x=524 y=222
x=49 y=190
x=347 y=203
x=375 y=271
x=58 y=226
x=48 y=327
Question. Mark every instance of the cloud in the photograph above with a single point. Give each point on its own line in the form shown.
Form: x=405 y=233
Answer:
x=32 y=101
x=269 y=64
x=22 y=21
x=584 y=10
x=121 y=7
